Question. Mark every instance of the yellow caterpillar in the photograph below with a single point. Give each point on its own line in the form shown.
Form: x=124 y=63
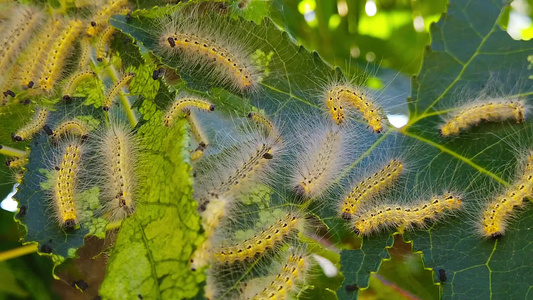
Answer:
x=118 y=149
x=65 y=185
x=370 y=187
x=499 y=210
x=115 y=89
x=286 y=282
x=269 y=127
x=259 y=244
x=495 y=110
x=73 y=83
x=376 y=218
x=29 y=130
x=339 y=96
x=57 y=57
x=72 y=127
x=182 y=106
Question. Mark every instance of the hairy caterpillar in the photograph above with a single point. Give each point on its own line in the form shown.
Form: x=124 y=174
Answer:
x=268 y=126
x=29 y=130
x=371 y=186
x=115 y=89
x=73 y=83
x=58 y=53
x=31 y=70
x=493 y=110
x=259 y=244
x=499 y=210
x=118 y=147
x=65 y=185
x=101 y=18
x=320 y=161
x=85 y=46
x=251 y=161
x=70 y=127
x=339 y=97
x=374 y=218
x=103 y=42
x=18 y=36
x=283 y=284
x=182 y=106
x=203 y=46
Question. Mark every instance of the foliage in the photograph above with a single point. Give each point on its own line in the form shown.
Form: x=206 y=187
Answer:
x=469 y=56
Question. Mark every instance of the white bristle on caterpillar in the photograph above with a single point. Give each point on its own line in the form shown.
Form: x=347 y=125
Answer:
x=497 y=212
x=263 y=242
x=201 y=45
x=29 y=130
x=286 y=278
x=341 y=98
x=370 y=186
x=118 y=148
x=322 y=157
x=491 y=110
x=252 y=162
x=376 y=218
x=65 y=184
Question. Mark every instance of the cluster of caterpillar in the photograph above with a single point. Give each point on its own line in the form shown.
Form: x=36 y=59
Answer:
x=114 y=148
x=238 y=168
x=37 y=47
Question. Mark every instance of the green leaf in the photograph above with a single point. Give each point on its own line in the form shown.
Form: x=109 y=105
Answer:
x=33 y=192
x=151 y=255
x=469 y=51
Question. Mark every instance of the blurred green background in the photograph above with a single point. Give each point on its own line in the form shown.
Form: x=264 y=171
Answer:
x=375 y=35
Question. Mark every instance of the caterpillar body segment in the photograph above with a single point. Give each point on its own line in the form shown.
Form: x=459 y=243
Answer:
x=262 y=242
x=340 y=98
x=29 y=130
x=499 y=210
x=376 y=218
x=183 y=105
x=495 y=110
x=371 y=186
x=64 y=189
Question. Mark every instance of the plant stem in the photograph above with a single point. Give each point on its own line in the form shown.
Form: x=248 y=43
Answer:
x=12 y=151
x=17 y=252
x=126 y=105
